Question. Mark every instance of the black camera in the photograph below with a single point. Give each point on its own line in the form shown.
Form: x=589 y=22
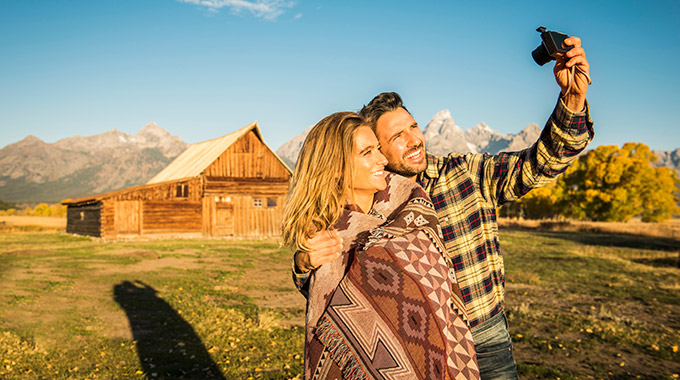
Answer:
x=550 y=47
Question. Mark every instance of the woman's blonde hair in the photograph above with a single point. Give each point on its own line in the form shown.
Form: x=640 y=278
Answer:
x=321 y=179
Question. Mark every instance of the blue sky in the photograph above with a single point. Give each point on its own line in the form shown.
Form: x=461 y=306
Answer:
x=204 y=68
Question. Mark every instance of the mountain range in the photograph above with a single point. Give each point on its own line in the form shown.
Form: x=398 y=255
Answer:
x=32 y=170
x=443 y=136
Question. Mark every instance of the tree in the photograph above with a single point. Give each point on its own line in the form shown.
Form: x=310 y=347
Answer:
x=612 y=184
x=539 y=203
x=607 y=184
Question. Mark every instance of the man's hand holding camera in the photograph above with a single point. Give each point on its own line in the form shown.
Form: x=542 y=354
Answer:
x=576 y=56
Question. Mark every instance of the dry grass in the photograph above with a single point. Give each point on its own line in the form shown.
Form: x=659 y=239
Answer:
x=667 y=230
x=42 y=221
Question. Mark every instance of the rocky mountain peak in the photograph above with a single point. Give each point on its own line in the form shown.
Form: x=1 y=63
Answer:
x=30 y=139
x=442 y=124
x=77 y=166
x=290 y=151
x=153 y=129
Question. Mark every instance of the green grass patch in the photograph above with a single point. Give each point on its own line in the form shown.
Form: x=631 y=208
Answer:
x=579 y=306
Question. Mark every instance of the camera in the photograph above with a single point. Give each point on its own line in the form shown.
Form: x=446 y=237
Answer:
x=550 y=47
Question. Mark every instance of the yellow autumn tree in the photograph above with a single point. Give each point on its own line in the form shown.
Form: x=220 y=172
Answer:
x=606 y=184
x=614 y=184
x=539 y=203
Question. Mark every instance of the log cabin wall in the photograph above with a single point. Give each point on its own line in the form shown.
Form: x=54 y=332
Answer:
x=84 y=219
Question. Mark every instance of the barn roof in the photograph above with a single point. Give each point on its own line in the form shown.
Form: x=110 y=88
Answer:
x=199 y=156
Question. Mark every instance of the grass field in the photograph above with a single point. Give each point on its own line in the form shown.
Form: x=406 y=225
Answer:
x=580 y=305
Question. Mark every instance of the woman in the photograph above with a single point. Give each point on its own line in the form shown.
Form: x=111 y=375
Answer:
x=388 y=307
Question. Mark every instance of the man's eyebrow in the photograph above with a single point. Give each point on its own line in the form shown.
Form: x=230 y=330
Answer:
x=394 y=136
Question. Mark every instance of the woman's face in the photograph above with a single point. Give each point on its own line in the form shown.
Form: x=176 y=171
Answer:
x=369 y=163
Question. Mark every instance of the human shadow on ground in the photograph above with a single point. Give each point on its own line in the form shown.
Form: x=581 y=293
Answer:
x=167 y=345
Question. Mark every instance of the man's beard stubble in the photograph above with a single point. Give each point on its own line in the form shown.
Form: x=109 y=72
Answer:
x=402 y=169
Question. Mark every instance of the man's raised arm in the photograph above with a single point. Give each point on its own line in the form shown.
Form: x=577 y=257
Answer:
x=508 y=176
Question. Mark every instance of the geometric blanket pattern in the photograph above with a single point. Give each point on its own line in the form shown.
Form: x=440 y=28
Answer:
x=395 y=312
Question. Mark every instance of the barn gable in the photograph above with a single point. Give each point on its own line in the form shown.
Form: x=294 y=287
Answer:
x=248 y=157
x=201 y=156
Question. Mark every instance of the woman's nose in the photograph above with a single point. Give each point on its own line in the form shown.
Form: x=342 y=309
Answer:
x=382 y=160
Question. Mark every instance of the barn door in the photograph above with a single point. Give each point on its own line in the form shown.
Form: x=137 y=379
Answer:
x=224 y=218
x=126 y=217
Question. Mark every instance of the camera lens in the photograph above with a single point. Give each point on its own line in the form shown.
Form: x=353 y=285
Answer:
x=541 y=55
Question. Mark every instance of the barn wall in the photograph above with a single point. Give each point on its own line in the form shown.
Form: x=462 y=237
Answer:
x=248 y=157
x=164 y=191
x=243 y=207
x=108 y=213
x=84 y=219
x=171 y=217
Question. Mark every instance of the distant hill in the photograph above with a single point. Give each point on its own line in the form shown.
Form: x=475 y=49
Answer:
x=34 y=171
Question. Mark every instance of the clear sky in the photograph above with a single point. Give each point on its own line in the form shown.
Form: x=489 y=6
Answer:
x=204 y=68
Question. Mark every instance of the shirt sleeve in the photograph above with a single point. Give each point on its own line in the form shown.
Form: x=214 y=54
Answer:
x=301 y=280
x=508 y=176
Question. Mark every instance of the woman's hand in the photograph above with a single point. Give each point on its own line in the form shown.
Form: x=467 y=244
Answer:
x=325 y=246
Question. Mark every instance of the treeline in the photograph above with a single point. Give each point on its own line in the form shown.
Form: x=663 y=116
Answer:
x=607 y=184
x=43 y=209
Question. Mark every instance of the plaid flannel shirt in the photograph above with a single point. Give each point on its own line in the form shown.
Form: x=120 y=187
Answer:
x=466 y=189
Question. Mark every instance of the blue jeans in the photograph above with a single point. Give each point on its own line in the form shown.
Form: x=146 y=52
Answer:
x=494 y=349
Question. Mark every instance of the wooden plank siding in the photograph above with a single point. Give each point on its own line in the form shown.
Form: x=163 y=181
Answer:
x=247 y=157
x=164 y=191
x=237 y=197
x=108 y=214
x=84 y=219
x=171 y=216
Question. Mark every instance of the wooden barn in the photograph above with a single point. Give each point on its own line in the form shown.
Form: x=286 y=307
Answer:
x=234 y=185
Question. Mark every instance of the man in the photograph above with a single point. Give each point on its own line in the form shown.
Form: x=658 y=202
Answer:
x=466 y=189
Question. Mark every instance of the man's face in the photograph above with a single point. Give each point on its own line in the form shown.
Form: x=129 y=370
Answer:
x=403 y=144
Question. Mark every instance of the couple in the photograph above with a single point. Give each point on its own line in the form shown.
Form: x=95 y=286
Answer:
x=403 y=272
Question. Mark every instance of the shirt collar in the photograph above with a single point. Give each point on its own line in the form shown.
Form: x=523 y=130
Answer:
x=431 y=171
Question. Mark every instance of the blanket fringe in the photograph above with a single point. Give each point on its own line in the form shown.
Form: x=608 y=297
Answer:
x=338 y=350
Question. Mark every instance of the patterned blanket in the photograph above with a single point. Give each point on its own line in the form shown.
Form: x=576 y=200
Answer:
x=389 y=307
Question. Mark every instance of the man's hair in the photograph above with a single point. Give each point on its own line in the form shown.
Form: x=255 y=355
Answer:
x=381 y=104
x=322 y=178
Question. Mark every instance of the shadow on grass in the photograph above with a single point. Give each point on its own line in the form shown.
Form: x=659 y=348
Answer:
x=167 y=345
